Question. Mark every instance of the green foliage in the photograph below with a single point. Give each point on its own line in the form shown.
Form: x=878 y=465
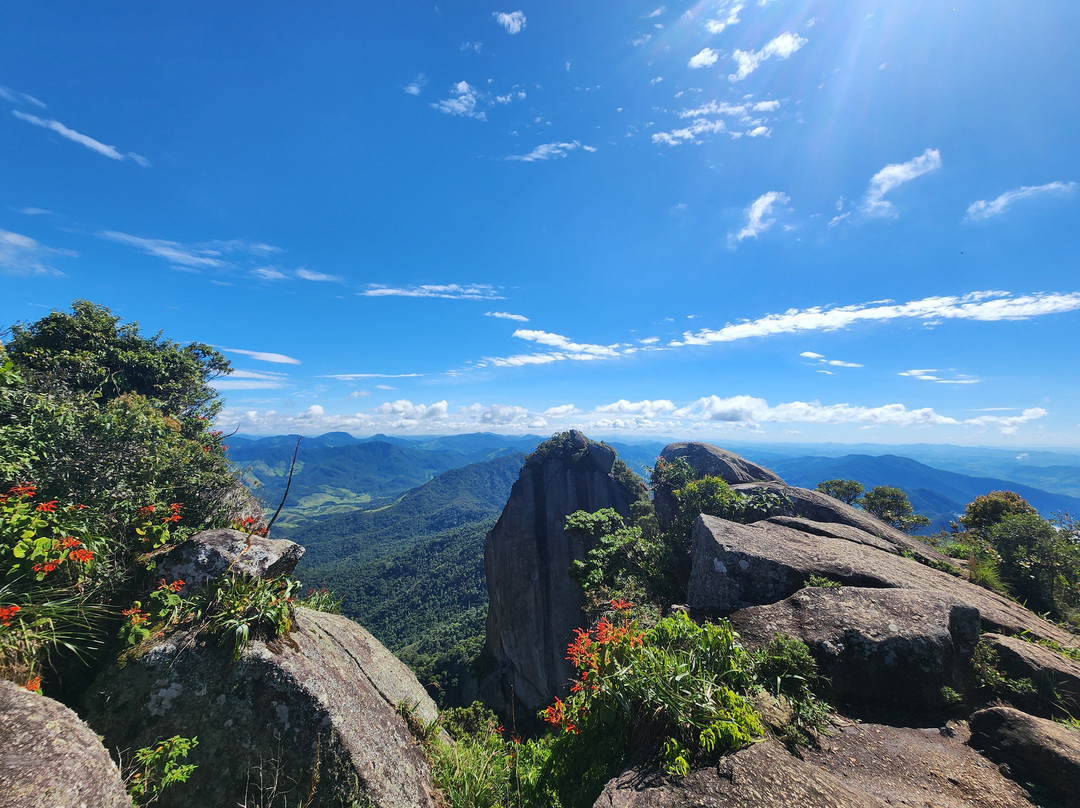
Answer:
x=321 y=600
x=785 y=668
x=847 y=491
x=822 y=582
x=950 y=697
x=891 y=506
x=987 y=676
x=990 y=509
x=239 y=607
x=157 y=767
x=1040 y=563
x=620 y=560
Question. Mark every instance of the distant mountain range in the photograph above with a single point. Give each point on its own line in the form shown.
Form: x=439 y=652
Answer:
x=396 y=526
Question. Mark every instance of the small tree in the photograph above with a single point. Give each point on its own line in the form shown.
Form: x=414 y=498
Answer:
x=892 y=507
x=847 y=491
x=990 y=509
x=1039 y=562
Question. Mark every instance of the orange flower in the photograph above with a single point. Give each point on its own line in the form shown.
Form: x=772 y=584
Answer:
x=7 y=612
x=82 y=556
x=25 y=490
x=620 y=605
x=146 y=510
x=175 y=586
x=70 y=543
x=34 y=685
x=47 y=507
x=46 y=567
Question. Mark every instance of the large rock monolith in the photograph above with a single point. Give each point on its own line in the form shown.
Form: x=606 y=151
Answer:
x=535 y=606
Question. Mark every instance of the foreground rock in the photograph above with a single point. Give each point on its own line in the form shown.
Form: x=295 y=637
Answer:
x=49 y=757
x=535 y=606
x=212 y=553
x=1041 y=752
x=735 y=566
x=761 y=776
x=1056 y=679
x=876 y=647
x=312 y=714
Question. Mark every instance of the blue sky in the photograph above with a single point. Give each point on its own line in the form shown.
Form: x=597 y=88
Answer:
x=785 y=221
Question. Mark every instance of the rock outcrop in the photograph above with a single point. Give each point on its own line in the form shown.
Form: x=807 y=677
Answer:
x=706 y=460
x=535 y=606
x=1041 y=752
x=212 y=553
x=875 y=647
x=1055 y=678
x=49 y=757
x=735 y=566
x=312 y=715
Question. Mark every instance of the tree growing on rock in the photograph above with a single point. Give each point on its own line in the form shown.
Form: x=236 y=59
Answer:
x=847 y=491
x=891 y=506
x=990 y=509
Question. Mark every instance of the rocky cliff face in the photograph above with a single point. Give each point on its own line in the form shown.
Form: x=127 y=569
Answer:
x=535 y=606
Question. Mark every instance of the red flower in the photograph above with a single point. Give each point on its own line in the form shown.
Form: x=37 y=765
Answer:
x=47 y=507
x=175 y=586
x=70 y=543
x=136 y=615
x=146 y=510
x=46 y=568
x=25 y=490
x=82 y=556
x=7 y=612
x=34 y=685
x=620 y=605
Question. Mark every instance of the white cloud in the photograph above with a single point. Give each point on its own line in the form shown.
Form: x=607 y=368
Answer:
x=268 y=274
x=463 y=102
x=505 y=315
x=32 y=211
x=782 y=47
x=548 y=151
x=561 y=411
x=893 y=176
x=981 y=306
x=70 y=134
x=717 y=26
x=250 y=380
x=929 y=375
x=1008 y=423
x=646 y=408
x=348 y=377
x=706 y=57
x=749 y=409
x=689 y=134
x=757 y=216
x=759 y=131
x=22 y=255
x=707 y=119
x=656 y=12
x=566 y=345
x=408 y=411
x=977 y=211
x=821 y=360
x=191 y=257
x=264 y=356
x=475 y=47
x=513 y=21
x=308 y=275
x=416 y=86
x=448 y=291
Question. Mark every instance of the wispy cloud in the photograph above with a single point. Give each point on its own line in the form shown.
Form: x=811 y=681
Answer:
x=31 y=211
x=513 y=21
x=981 y=306
x=977 y=211
x=505 y=315
x=931 y=375
x=22 y=255
x=349 y=377
x=416 y=86
x=309 y=275
x=782 y=47
x=566 y=345
x=712 y=118
x=821 y=360
x=269 y=274
x=78 y=137
x=757 y=216
x=706 y=57
x=646 y=408
x=16 y=97
x=893 y=176
x=250 y=380
x=446 y=291
x=550 y=151
x=194 y=257
x=264 y=356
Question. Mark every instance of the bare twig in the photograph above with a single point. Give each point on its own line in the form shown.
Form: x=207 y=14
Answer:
x=288 y=484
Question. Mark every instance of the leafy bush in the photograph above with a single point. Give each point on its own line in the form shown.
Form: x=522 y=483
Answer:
x=157 y=767
x=847 y=491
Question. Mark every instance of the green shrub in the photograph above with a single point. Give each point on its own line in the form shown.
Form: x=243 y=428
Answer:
x=157 y=767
